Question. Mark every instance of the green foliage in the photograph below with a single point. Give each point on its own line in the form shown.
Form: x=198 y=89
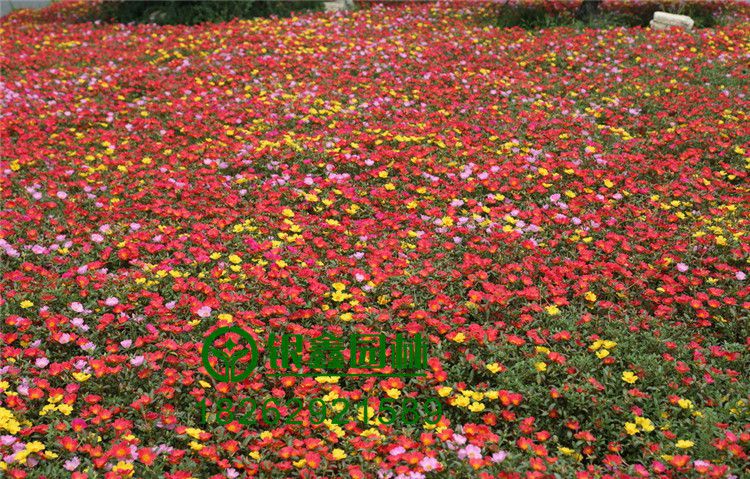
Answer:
x=191 y=12
x=592 y=14
x=530 y=16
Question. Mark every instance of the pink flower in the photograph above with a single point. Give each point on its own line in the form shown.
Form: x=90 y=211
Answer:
x=204 y=311
x=78 y=322
x=429 y=463
x=72 y=464
x=682 y=267
x=471 y=451
x=499 y=456
x=78 y=424
x=398 y=450
x=111 y=301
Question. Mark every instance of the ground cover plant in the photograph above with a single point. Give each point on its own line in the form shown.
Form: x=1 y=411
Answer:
x=562 y=214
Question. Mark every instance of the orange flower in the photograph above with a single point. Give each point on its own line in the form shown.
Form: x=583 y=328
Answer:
x=146 y=456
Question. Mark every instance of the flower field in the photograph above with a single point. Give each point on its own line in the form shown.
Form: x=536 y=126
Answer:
x=563 y=215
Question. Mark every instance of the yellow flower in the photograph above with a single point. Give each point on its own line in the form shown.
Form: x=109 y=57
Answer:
x=194 y=432
x=35 y=446
x=288 y=213
x=602 y=353
x=447 y=221
x=327 y=379
x=233 y=258
x=8 y=421
x=65 y=409
x=346 y=317
x=46 y=409
x=26 y=304
x=631 y=428
x=685 y=403
x=552 y=310
x=81 y=377
x=459 y=338
x=339 y=286
x=266 y=435
x=444 y=391
x=493 y=367
x=123 y=467
x=540 y=366
x=338 y=296
x=338 y=454
x=684 y=444
x=331 y=396
x=629 y=377
x=590 y=296
x=644 y=424
x=195 y=446
x=461 y=401
x=393 y=393
x=476 y=407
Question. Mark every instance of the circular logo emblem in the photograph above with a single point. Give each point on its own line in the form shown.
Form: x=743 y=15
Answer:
x=229 y=355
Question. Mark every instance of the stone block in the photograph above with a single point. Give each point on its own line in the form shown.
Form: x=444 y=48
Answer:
x=664 y=20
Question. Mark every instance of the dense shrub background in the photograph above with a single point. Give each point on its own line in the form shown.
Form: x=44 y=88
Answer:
x=192 y=12
x=533 y=14
x=599 y=13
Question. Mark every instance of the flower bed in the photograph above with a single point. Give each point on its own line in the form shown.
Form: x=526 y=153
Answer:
x=562 y=216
